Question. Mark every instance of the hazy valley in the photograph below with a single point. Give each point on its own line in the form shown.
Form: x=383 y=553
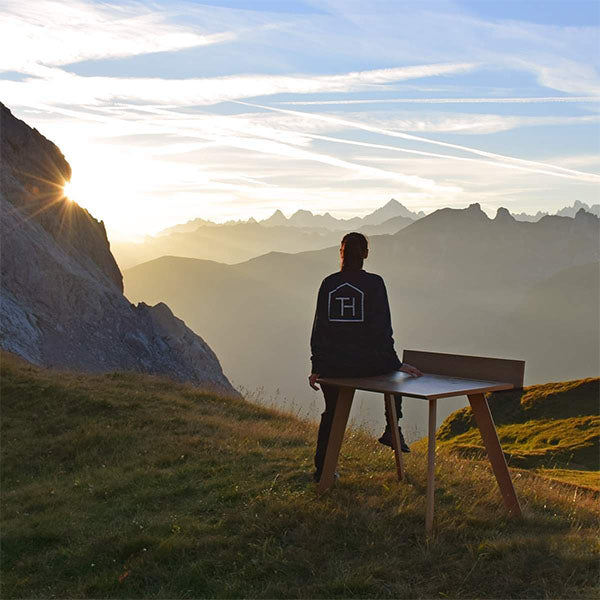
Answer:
x=458 y=281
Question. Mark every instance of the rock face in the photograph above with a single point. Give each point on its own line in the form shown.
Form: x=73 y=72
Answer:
x=61 y=292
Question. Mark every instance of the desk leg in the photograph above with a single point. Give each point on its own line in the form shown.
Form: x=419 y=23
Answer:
x=391 y=411
x=338 y=426
x=430 y=465
x=485 y=422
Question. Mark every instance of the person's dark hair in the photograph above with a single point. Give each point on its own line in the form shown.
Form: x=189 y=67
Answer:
x=353 y=250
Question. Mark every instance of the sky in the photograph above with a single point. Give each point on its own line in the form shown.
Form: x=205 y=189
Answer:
x=169 y=111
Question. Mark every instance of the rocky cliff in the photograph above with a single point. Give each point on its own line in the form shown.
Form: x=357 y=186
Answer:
x=61 y=292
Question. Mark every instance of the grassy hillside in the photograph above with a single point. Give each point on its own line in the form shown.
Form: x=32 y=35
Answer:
x=552 y=428
x=130 y=486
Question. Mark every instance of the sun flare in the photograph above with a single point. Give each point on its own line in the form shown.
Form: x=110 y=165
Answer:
x=68 y=190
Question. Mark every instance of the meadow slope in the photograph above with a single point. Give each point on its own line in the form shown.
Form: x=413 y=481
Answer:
x=553 y=428
x=131 y=486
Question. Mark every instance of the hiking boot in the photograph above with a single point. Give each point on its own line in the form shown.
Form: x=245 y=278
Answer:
x=386 y=440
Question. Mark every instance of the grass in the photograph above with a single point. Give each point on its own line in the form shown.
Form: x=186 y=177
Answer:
x=552 y=429
x=582 y=479
x=131 y=486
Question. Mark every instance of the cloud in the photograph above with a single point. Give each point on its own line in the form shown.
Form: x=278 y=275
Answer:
x=563 y=74
x=56 y=85
x=580 y=160
x=59 y=32
x=284 y=150
x=561 y=58
x=234 y=132
x=589 y=177
x=187 y=145
x=421 y=121
x=523 y=100
x=398 y=134
x=464 y=123
x=225 y=131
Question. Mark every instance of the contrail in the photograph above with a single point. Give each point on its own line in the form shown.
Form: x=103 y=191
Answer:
x=407 y=136
x=284 y=149
x=437 y=155
x=446 y=100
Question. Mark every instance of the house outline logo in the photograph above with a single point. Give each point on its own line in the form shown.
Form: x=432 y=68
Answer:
x=352 y=304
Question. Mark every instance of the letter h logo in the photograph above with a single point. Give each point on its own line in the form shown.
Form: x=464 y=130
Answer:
x=346 y=304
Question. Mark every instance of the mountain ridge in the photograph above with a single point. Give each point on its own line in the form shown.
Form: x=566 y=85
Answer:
x=61 y=290
x=238 y=241
x=306 y=219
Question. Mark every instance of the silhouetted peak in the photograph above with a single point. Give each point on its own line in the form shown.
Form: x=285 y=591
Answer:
x=503 y=216
x=529 y=218
x=571 y=211
x=393 y=203
x=302 y=213
x=583 y=215
x=393 y=208
x=474 y=211
x=277 y=218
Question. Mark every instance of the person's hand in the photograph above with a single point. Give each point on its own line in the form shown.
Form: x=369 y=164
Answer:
x=406 y=368
x=312 y=381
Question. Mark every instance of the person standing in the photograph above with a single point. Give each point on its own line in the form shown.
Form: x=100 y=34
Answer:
x=352 y=336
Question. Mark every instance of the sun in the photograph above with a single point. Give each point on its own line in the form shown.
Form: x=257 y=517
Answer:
x=68 y=190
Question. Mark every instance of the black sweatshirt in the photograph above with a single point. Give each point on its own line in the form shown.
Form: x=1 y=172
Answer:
x=352 y=330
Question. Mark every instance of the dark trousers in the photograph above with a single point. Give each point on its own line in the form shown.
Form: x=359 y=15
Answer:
x=331 y=395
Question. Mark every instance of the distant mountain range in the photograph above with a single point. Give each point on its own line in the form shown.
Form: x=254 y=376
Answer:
x=567 y=211
x=458 y=282
x=306 y=219
x=237 y=241
x=393 y=209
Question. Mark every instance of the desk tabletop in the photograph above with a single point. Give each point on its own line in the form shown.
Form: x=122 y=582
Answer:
x=428 y=386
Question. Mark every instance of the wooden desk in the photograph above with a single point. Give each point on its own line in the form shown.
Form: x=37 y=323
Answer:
x=433 y=385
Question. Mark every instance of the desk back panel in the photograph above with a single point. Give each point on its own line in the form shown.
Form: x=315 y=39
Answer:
x=469 y=367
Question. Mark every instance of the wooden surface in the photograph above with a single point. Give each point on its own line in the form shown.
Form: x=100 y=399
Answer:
x=427 y=386
x=390 y=403
x=430 y=466
x=485 y=422
x=338 y=426
x=471 y=367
